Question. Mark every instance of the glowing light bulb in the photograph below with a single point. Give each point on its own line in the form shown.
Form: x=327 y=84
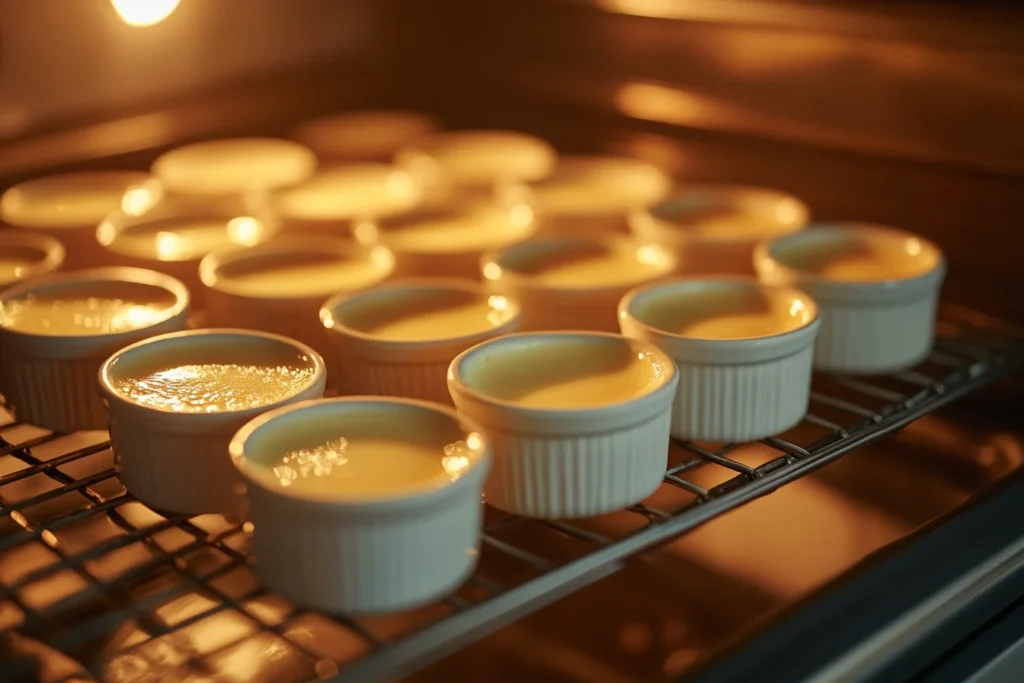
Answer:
x=144 y=12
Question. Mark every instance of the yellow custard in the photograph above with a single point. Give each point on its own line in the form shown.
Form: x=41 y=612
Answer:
x=733 y=214
x=865 y=260
x=79 y=316
x=299 y=274
x=593 y=265
x=234 y=165
x=68 y=200
x=481 y=157
x=350 y=191
x=727 y=313
x=361 y=453
x=588 y=185
x=216 y=387
x=457 y=233
x=567 y=374
x=184 y=239
x=424 y=315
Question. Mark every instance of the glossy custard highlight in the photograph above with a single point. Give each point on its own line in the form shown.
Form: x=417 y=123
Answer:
x=726 y=313
x=567 y=373
x=210 y=387
x=47 y=315
x=410 y=315
x=363 y=455
x=16 y=261
x=184 y=239
x=732 y=212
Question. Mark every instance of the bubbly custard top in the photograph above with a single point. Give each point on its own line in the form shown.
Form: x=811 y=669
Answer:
x=363 y=190
x=565 y=373
x=73 y=312
x=725 y=312
x=587 y=264
x=361 y=454
x=457 y=232
x=424 y=314
x=186 y=238
x=300 y=274
x=864 y=257
x=67 y=200
x=197 y=381
x=739 y=213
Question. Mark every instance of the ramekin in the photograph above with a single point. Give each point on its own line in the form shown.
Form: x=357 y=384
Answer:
x=68 y=207
x=339 y=195
x=731 y=389
x=178 y=461
x=29 y=255
x=49 y=380
x=676 y=224
x=568 y=462
x=472 y=163
x=587 y=304
x=236 y=298
x=234 y=166
x=369 y=363
x=364 y=553
x=872 y=325
x=590 y=195
x=446 y=242
x=374 y=135
x=172 y=233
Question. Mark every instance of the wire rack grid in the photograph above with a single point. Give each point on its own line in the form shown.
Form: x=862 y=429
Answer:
x=135 y=595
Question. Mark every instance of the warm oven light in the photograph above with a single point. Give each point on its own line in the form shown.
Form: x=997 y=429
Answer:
x=144 y=12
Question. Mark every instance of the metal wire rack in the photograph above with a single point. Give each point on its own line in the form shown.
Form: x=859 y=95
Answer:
x=137 y=596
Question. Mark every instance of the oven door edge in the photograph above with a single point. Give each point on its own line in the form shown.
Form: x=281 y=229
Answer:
x=901 y=614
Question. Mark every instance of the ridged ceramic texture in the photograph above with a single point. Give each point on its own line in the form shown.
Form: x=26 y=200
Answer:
x=875 y=339
x=577 y=476
x=742 y=402
x=363 y=376
x=61 y=395
x=362 y=560
x=187 y=473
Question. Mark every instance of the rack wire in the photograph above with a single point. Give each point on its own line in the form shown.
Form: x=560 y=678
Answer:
x=135 y=595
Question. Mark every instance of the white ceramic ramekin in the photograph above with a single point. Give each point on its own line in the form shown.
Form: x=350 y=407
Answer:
x=730 y=388
x=336 y=196
x=68 y=207
x=584 y=302
x=371 y=363
x=873 y=324
x=280 y=286
x=178 y=461
x=447 y=242
x=472 y=163
x=50 y=380
x=371 y=552
x=713 y=229
x=363 y=135
x=590 y=195
x=172 y=233
x=567 y=461
x=234 y=166
x=25 y=255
